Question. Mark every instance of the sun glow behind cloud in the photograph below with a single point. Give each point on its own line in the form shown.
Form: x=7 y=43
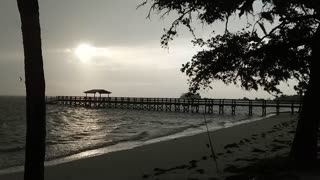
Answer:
x=128 y=57
x=86 y=52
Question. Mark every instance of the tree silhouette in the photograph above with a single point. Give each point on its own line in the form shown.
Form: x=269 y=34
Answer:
x=257 y=55
x=35 y=90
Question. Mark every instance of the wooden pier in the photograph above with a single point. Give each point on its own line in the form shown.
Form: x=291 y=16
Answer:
x=175 y=104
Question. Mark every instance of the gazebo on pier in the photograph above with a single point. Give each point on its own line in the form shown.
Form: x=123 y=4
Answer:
x=94 y=91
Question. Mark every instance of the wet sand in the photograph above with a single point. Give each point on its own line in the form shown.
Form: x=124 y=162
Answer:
x=187 y=157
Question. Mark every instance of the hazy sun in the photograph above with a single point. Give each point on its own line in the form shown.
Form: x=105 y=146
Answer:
x=85 y=52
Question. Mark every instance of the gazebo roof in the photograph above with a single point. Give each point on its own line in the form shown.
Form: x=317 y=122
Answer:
x=100 y=91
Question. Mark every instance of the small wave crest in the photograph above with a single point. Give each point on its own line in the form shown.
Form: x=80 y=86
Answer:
x=144 y=136
x=139 y=136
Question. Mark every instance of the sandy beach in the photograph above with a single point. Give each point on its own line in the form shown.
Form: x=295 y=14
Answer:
x=187 y=157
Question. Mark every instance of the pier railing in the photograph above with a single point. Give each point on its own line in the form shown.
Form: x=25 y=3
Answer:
x=175 y=104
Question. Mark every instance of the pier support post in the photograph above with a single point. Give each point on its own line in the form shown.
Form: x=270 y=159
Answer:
x=250 y=107
x=264 y=108
x=233 y=106
x=278 y=108
x=221 y=106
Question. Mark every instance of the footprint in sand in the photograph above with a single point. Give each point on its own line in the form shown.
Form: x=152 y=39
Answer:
x=231 y=168
x=159 y=173
x=247 y=159
x=192 y=179
x=272 y=131
x=200 y=171
x=158 y=169
x=145 y=176
x=258 y=150
x=241 y=142
x=282 y=142
x=193 y=164
x=212 y=178
x=277 y=147
x=233 y=145
x=193 y=161
x=204 y=158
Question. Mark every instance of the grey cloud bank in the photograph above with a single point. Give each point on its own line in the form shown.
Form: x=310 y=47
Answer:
x=137 y=65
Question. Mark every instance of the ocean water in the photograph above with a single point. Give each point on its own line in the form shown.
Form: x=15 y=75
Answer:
x=72 y=130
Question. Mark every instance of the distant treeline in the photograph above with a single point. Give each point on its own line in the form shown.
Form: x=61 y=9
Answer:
x=289 y=98
x=190 y=95
x=281 y=98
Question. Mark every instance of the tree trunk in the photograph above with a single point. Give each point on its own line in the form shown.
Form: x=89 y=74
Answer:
x=304 y=147
x=35 y=90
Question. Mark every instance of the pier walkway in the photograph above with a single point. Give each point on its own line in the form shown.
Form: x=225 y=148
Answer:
x=175 y=104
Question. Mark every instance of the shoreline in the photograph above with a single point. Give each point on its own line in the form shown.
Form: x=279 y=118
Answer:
x=156 y=154
x=133 y=144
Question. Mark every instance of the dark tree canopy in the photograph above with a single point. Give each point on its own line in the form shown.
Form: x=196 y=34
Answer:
x=259 y=55
x=281 y=51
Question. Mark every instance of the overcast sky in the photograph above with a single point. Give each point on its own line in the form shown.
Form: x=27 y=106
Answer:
x=105 y=44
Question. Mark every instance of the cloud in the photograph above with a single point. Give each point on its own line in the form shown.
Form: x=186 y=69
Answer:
x=131 y=57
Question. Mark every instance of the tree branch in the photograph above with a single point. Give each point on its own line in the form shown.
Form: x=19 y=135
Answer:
x=142 y=4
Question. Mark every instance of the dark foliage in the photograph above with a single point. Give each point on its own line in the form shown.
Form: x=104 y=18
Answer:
x=257 y=55
x=247 y=57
